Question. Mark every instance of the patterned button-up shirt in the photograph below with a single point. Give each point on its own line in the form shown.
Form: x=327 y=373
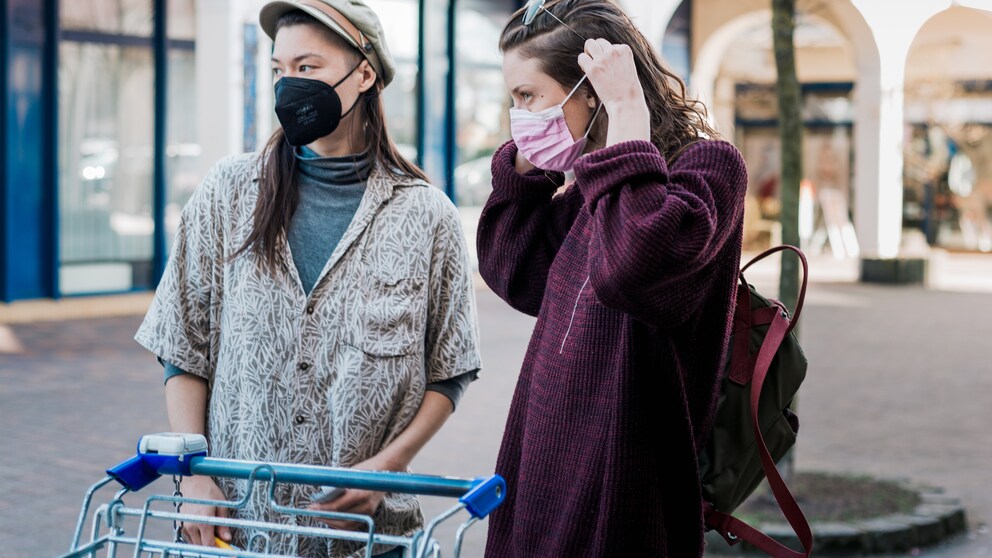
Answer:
x=326 y=379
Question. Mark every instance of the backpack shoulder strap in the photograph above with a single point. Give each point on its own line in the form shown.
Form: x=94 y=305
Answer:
x=734 y=529
x=731 y=528
x=802 y=287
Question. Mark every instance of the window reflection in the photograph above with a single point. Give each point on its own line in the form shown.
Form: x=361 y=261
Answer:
x=400 y=22
x=183 y=172
x=482 y=103
x=106 y=127
x=105 y=165
x=126 y=17
x=826 y=198
x=181 y=19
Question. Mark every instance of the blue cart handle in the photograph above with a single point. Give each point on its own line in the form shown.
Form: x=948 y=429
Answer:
x=186 y=454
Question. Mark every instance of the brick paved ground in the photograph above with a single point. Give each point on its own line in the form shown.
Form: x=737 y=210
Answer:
x=899 y=387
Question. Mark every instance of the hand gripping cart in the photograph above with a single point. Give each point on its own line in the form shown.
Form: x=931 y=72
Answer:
x=182 y=455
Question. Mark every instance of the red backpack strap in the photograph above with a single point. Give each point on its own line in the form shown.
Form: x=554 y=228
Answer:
x=731 y=528
x=734 y=529
x=740 y=360
x=802 y=287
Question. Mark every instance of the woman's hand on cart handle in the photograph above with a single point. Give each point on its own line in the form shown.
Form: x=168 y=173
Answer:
x=203 y=488
x=353 y=500
x=361 y=502
x=434 y=410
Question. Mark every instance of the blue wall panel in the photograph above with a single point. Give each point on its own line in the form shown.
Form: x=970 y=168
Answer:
x=26 y=185
x=435 y=107
x=3 y=149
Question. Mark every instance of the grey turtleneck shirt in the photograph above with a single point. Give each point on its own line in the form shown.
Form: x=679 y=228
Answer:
x=330 y=191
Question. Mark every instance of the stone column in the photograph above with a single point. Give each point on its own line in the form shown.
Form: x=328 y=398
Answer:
x=879 y=139
x=219 y=77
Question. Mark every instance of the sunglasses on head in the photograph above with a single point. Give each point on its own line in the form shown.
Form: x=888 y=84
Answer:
x=533 y=7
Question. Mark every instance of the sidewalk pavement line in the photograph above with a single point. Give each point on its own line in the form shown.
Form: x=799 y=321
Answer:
x=75 y=308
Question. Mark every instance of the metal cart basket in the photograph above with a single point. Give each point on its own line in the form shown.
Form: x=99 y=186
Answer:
x=182 y=455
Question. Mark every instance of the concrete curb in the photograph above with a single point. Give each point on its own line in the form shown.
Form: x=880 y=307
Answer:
x=937 y=518
x=75 y=308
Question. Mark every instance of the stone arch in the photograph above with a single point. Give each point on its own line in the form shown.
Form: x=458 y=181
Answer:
x=870 y=218
x=707 y=60
x=949 y=118
x=826 y=36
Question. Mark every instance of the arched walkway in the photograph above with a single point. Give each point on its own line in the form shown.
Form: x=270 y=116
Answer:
x=949 y=121
x=833 y=52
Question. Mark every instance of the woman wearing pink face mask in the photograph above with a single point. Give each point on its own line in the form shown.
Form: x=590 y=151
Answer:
x=631 y=272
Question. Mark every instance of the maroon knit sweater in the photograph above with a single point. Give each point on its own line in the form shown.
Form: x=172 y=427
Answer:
x=631 y=273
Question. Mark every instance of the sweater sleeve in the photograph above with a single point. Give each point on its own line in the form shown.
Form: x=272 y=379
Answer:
x=521 y=229
x=657 y=230
x=454 y=388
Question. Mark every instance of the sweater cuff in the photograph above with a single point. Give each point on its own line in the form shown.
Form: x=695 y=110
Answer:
x=454 y=388
x=512 y=184
x=171 y=370
x=600 y=171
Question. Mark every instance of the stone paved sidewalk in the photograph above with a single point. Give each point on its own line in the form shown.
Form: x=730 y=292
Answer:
x=900 y=385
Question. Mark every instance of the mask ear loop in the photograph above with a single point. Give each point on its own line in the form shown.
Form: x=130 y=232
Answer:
x=593 y=121
x=574 y=89
x=340 y=81
x=594 y=115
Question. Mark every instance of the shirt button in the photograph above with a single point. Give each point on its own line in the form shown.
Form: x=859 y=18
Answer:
x=304 y=365
x=310 y=309
x=300 y=419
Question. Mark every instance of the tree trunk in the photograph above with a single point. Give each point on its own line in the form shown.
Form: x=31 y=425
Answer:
x=790 y=128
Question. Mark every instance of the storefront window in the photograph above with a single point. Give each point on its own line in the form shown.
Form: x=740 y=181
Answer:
x=825 y=214
x=947 y=179
x=482 y=103
x=106 y=120
x=106 y=139
x=118 y=17
x=400 y=23
x=675 y=46
x=181 y=19
x=182 y=152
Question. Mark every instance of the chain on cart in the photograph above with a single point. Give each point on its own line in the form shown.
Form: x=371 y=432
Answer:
x=182 y=455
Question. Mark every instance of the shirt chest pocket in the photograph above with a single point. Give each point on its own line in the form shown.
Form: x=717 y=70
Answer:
x=393 y=313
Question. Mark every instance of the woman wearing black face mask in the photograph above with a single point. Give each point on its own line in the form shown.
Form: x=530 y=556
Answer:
x=318 y=306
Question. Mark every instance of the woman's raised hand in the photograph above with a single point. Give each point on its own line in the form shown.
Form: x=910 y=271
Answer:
x=613 y=75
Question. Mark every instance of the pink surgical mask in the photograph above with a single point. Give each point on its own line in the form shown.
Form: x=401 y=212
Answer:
x=543 y=137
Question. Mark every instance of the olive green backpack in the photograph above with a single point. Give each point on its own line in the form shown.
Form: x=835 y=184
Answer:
x=754 y=427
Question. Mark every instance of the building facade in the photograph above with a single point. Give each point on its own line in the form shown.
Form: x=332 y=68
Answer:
x=113 y=110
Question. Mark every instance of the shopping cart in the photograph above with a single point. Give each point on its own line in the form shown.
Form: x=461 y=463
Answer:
x=182 y=455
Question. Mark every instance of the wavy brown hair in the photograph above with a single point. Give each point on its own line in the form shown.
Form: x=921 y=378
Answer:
x=277 y=190
x=676 y=120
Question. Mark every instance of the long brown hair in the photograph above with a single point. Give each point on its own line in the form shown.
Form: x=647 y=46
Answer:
x=277 y=191
x=676 y=120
